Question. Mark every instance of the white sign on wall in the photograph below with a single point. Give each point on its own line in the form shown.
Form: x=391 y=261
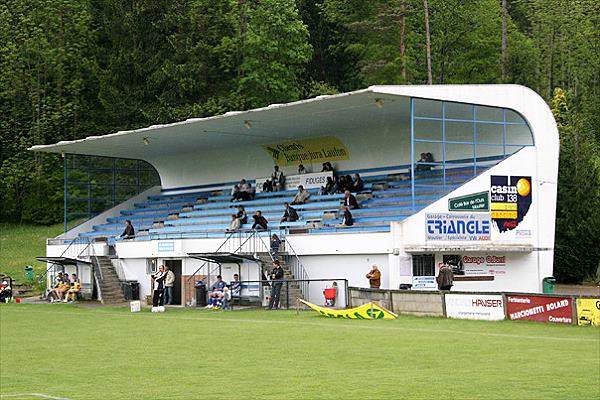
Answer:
x=457 y=226
x=484 y=264
x=474 y=306
x=424 y=282
x=309 y=181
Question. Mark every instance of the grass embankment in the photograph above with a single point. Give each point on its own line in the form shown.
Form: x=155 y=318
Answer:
x=110 y=353
x=21 y=244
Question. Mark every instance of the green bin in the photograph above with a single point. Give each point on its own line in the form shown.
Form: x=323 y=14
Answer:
x=549 y=283
x=29 y=272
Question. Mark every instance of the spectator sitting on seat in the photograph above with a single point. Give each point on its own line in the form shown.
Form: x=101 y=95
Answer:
x=358 y=184
x=237 y=194
x=327 y=167
x=267 y=186
x=341 y=184
x=5 y=292
x=260 y=222
x=350 y=200
x=64 y=287
x=290 y=214
x=54 y=293
x=216 y=296
x=235 y=223
x=425 y=158
x=75 y=288
x=301 y=170
x=277 y=179
x=241 y=215
x=235 y=285
x=346 y=216
x=247 y=188
x=330 y=187
x=301 y=196
x=129 y=232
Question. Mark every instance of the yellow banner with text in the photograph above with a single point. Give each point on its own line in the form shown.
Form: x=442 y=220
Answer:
x=306 y=151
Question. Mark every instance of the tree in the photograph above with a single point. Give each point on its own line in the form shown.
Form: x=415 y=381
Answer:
x=275 y=55
x=427 y=42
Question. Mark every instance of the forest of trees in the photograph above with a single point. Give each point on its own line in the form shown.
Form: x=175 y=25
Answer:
x=74 y=68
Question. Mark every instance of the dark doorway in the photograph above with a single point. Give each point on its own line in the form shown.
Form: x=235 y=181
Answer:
x=175 y=266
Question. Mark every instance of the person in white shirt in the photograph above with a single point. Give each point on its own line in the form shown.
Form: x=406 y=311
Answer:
x=169 y=283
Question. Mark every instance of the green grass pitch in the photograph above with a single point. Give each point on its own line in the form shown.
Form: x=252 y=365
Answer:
x=85 y=352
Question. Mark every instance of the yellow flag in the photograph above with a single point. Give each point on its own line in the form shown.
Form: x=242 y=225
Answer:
x=366 y=311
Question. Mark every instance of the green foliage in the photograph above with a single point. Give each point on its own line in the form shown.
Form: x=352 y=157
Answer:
x=577 y=253
x=74 y=68
x=276 y=51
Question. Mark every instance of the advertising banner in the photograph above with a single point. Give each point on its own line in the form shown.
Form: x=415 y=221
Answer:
x=484 y=264
x=510 y=198
x=472 y=202
x=306 y=151
x=540 y=308
x=366 y=311
x=457 y=226
x=424 y=282
x=474 y=306
x=588 y=312
x=309 y=181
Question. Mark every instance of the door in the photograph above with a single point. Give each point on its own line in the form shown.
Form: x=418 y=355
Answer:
x=175 y=266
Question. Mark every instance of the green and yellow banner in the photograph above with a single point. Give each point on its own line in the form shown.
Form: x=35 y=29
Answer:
x=306 y=151
x=588 y=312
x=366 y=311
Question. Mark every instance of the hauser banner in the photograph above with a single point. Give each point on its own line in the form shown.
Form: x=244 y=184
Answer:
x=510 y=198
x=474 y=306
x=306 y=151
x=540 y=308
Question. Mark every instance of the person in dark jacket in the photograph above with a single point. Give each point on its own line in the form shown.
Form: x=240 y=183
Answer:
x=260 y=222
x=358 y=184
x=445 y=278
x=129 y=231
x=241 y=215
x=350 y=200
x=290 y=214
x=347 y=219
x=276 y=283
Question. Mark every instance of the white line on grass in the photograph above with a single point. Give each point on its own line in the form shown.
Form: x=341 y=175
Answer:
x=323 y=325
x=38 y=395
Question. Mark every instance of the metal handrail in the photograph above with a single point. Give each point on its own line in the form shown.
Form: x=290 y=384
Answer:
x=296 y=267
x=73 y=242
x=206 y=262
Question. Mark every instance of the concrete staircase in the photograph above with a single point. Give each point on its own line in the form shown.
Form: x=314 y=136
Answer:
x=110 y=288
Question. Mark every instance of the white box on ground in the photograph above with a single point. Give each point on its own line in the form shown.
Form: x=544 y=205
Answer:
x=135 y=305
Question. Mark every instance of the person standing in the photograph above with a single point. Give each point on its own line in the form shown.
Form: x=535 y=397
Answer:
x=277 y=179
x=158 y=284
x=169 y=283
x=276 y=283
x=374 y=277
x=445 y=278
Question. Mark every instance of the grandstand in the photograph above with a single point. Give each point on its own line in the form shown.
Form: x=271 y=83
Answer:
x=485 y=203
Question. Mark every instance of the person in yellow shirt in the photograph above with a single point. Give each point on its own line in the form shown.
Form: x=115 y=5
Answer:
x=74 y=288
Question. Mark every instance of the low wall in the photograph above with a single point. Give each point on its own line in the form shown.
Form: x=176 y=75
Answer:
x=424 y=303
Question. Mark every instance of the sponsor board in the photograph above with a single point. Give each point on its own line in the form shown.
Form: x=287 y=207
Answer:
x=474 y=306
x=510 y=200
x=588 y=312
x=484 y=264
x=309 y=181
x=366 y=311
x=471 y=202
x=166 y=247
x=540 y=308
x=424 y=282
x=306 y=151
x=457 y=226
